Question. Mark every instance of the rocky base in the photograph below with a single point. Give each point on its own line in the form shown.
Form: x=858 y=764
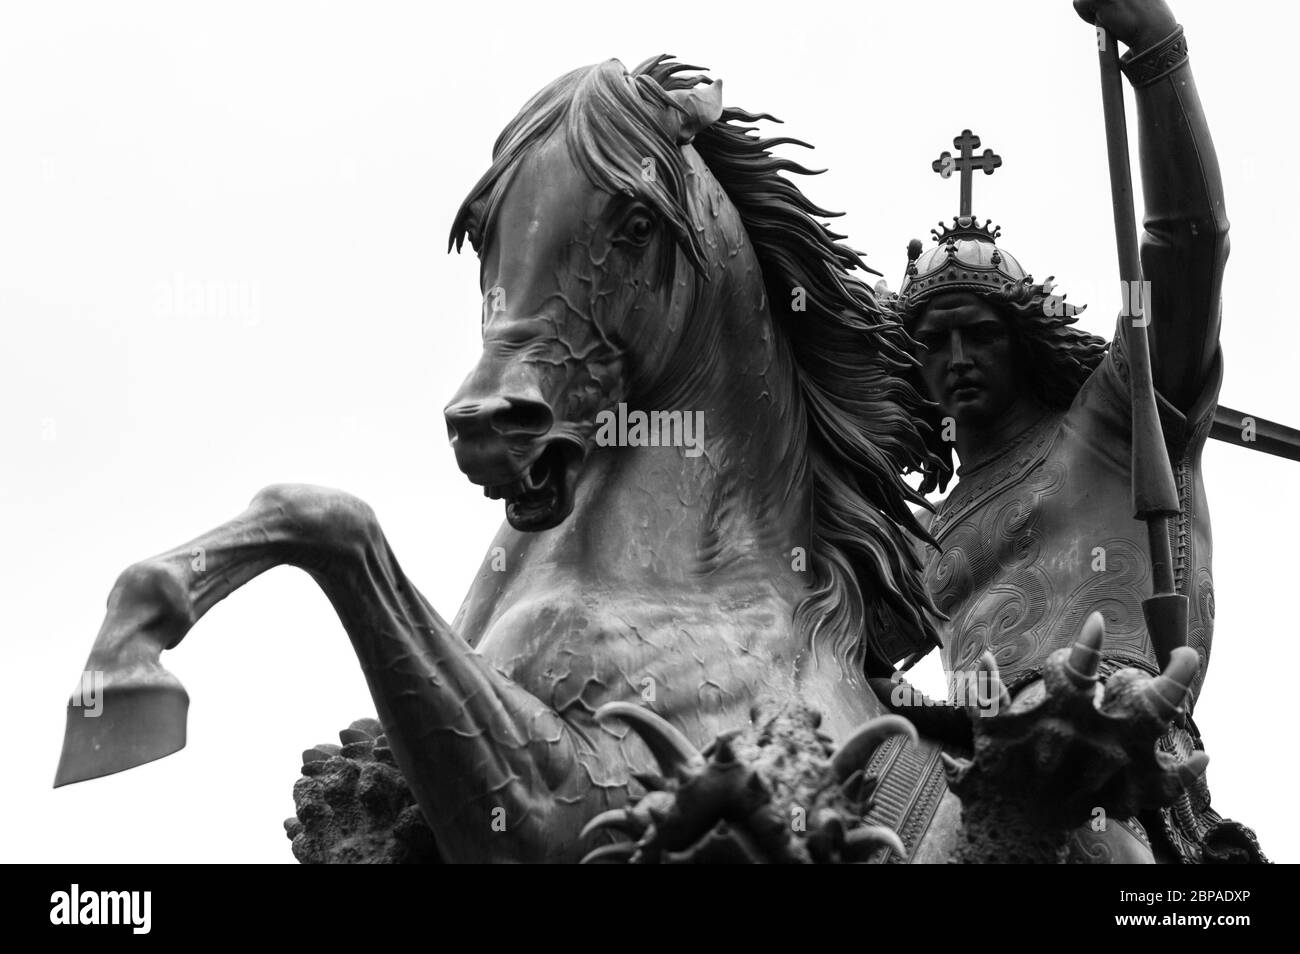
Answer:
x=354 y=806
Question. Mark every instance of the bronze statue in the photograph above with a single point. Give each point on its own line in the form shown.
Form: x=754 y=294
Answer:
x=647 y=614
x=1040 y=530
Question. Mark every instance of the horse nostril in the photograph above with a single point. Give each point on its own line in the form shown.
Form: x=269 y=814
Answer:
x=498 y=415
x=524 y=414
x=468 y=418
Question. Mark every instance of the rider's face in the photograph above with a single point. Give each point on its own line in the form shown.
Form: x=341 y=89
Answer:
x=966 y=358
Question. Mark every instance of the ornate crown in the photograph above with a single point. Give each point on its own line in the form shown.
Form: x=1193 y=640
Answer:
x=966 y=256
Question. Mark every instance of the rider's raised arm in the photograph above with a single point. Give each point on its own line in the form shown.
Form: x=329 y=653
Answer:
x=1185 y=243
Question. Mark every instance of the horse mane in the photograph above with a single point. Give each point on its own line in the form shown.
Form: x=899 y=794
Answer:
x=852 y=359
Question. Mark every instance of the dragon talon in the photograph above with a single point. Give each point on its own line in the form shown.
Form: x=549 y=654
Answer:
x=854 y=753
x=1085 y=654
x=1167 y=691
x=952 y=767
x=873 y=837
x=994 y=689
x=676 y=756
x=615 y=819
x=610 y=854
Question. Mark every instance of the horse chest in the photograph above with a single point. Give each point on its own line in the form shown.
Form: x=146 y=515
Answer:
x=577 y=652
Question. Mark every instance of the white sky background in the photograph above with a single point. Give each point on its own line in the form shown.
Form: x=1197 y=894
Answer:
x=312 y=157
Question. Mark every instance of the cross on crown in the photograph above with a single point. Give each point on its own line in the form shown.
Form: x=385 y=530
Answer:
x=966 y=163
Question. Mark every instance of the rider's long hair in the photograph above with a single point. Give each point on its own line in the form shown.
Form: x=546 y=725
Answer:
x=862 y=425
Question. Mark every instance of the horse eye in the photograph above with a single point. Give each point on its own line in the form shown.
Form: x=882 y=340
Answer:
x=639 y=228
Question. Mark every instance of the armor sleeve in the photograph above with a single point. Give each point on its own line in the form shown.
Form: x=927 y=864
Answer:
x=1185 y=244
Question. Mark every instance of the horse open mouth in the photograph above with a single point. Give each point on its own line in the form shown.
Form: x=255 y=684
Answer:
x=543 y=496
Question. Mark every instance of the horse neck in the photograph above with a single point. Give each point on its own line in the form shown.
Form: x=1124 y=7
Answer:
x=743 y=504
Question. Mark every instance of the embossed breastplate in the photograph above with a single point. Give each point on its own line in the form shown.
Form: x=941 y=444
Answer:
x=1010 y=466
x=1042 y=535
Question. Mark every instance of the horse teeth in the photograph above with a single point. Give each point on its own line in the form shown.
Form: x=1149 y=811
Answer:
x=532 y=484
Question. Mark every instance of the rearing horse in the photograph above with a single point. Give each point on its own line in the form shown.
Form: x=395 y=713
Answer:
x=638 y=246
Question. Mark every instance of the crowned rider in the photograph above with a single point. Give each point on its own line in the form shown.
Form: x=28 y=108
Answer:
x=1039 y=531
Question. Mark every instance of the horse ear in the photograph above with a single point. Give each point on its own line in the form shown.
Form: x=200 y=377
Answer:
x=702 y=107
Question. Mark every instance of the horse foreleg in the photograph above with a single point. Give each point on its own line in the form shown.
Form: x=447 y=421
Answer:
x=497 y=772
x=128 y=709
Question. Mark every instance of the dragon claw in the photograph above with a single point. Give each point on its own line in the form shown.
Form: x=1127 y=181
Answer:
x=991 y=692
x=771 y=793
x=616 y=819
x=854 y=753
x=1085 y=654
x=1168 y=691
x=609 y=854
x=676 y=756
x=871 y=837
x=1067 y=745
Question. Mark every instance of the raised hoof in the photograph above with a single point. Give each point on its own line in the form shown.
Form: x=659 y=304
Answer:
x=139 y=720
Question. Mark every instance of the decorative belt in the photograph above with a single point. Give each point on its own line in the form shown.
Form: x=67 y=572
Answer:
x=911 y=784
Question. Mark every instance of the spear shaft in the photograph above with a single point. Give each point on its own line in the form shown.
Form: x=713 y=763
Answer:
x=1255 y=433
x=1155 y=496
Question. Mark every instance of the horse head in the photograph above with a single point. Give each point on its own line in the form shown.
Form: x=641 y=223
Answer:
x=580 y=226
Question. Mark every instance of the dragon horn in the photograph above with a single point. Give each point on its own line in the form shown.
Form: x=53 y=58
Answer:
x=672 y=750
x=872 y=837
x=1167 y=691
x=1085 y=655
x=853 y=754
